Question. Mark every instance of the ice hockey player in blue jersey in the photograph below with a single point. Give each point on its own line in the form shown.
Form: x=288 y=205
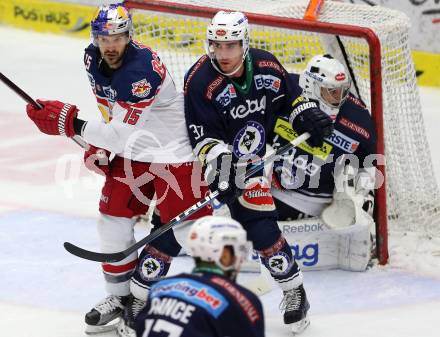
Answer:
x=304 y=180
x=207 y=302
x=233 y=95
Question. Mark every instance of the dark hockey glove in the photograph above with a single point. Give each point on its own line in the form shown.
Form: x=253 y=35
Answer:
x=220 y=176
x=97 y=160
x=55 y=118
x=307 y=117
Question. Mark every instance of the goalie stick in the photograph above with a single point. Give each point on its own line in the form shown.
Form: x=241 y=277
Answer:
x=115 y=257
x=20 y=92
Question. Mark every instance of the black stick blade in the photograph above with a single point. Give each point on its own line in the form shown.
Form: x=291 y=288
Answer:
x=93 y=256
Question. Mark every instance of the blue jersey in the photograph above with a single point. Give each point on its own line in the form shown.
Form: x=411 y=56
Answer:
x=200 y=305
x=218 y=110
x=311 y=169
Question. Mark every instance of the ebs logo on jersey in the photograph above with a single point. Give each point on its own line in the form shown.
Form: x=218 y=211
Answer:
x=249 y=140
x=267 y=82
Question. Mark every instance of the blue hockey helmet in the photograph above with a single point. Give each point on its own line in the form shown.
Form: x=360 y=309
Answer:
x=111 y=19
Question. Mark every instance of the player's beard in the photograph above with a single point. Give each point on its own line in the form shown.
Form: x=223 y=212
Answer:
x=113 y=59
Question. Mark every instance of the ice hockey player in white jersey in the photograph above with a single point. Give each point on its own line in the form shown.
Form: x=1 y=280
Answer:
x=143 y=125
x=334 y=180
x=207 y=302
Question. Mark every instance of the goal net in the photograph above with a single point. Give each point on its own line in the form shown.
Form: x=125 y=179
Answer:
x=375 y=43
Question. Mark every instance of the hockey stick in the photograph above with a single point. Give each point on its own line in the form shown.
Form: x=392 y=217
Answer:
x=28 y=99
x=115 y=257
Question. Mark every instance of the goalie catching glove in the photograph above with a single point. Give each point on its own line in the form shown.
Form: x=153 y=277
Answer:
x=220 y=175
x=54 y=118
x=307 y=117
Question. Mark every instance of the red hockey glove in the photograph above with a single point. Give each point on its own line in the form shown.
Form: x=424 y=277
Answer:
x=55 y=118
x=97 y=160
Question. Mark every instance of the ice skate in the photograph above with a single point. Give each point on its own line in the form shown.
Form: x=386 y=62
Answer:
x=295 y=306
x=105 y=315
x=126 y=325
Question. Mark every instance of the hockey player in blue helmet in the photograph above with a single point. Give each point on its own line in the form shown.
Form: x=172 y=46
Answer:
x=111 y=31
x=137 y=99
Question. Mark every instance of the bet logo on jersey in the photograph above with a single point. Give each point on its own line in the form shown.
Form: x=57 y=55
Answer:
x=249 y=140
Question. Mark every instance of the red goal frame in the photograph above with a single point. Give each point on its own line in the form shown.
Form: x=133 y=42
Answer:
x=318 y=27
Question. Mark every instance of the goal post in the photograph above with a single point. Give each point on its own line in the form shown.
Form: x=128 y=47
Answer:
x=376 y=42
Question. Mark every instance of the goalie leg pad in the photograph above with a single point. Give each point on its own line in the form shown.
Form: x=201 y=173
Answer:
x=319 y=247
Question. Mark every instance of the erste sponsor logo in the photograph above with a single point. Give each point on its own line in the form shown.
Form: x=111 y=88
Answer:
x=342 y=141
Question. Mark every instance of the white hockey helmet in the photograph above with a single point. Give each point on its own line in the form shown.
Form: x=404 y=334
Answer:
x=227 y=26
x=210 y=234
x=325 y=80
x=110 y=20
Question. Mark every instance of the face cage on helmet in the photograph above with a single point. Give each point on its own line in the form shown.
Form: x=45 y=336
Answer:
x=345 y=89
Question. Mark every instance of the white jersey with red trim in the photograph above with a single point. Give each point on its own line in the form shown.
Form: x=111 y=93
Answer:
x=142 y=112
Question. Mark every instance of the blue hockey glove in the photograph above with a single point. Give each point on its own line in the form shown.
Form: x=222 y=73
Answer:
x=220 y=176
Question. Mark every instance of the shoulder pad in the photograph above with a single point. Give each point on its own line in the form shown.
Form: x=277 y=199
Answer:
x=194 y=71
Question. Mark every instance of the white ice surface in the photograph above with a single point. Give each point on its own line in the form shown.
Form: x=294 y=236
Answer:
x=47 y=197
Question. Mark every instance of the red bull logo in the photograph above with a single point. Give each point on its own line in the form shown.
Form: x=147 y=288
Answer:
x=141 y=88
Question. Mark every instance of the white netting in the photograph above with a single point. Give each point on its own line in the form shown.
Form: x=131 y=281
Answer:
x=413 y=198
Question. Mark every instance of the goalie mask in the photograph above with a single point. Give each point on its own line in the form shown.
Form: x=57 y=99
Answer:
x=110 y=20
x=227 y=27
x=209 y=235
x=325 y=80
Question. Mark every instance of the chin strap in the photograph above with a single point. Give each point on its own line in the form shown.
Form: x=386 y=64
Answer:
x=226 y=74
